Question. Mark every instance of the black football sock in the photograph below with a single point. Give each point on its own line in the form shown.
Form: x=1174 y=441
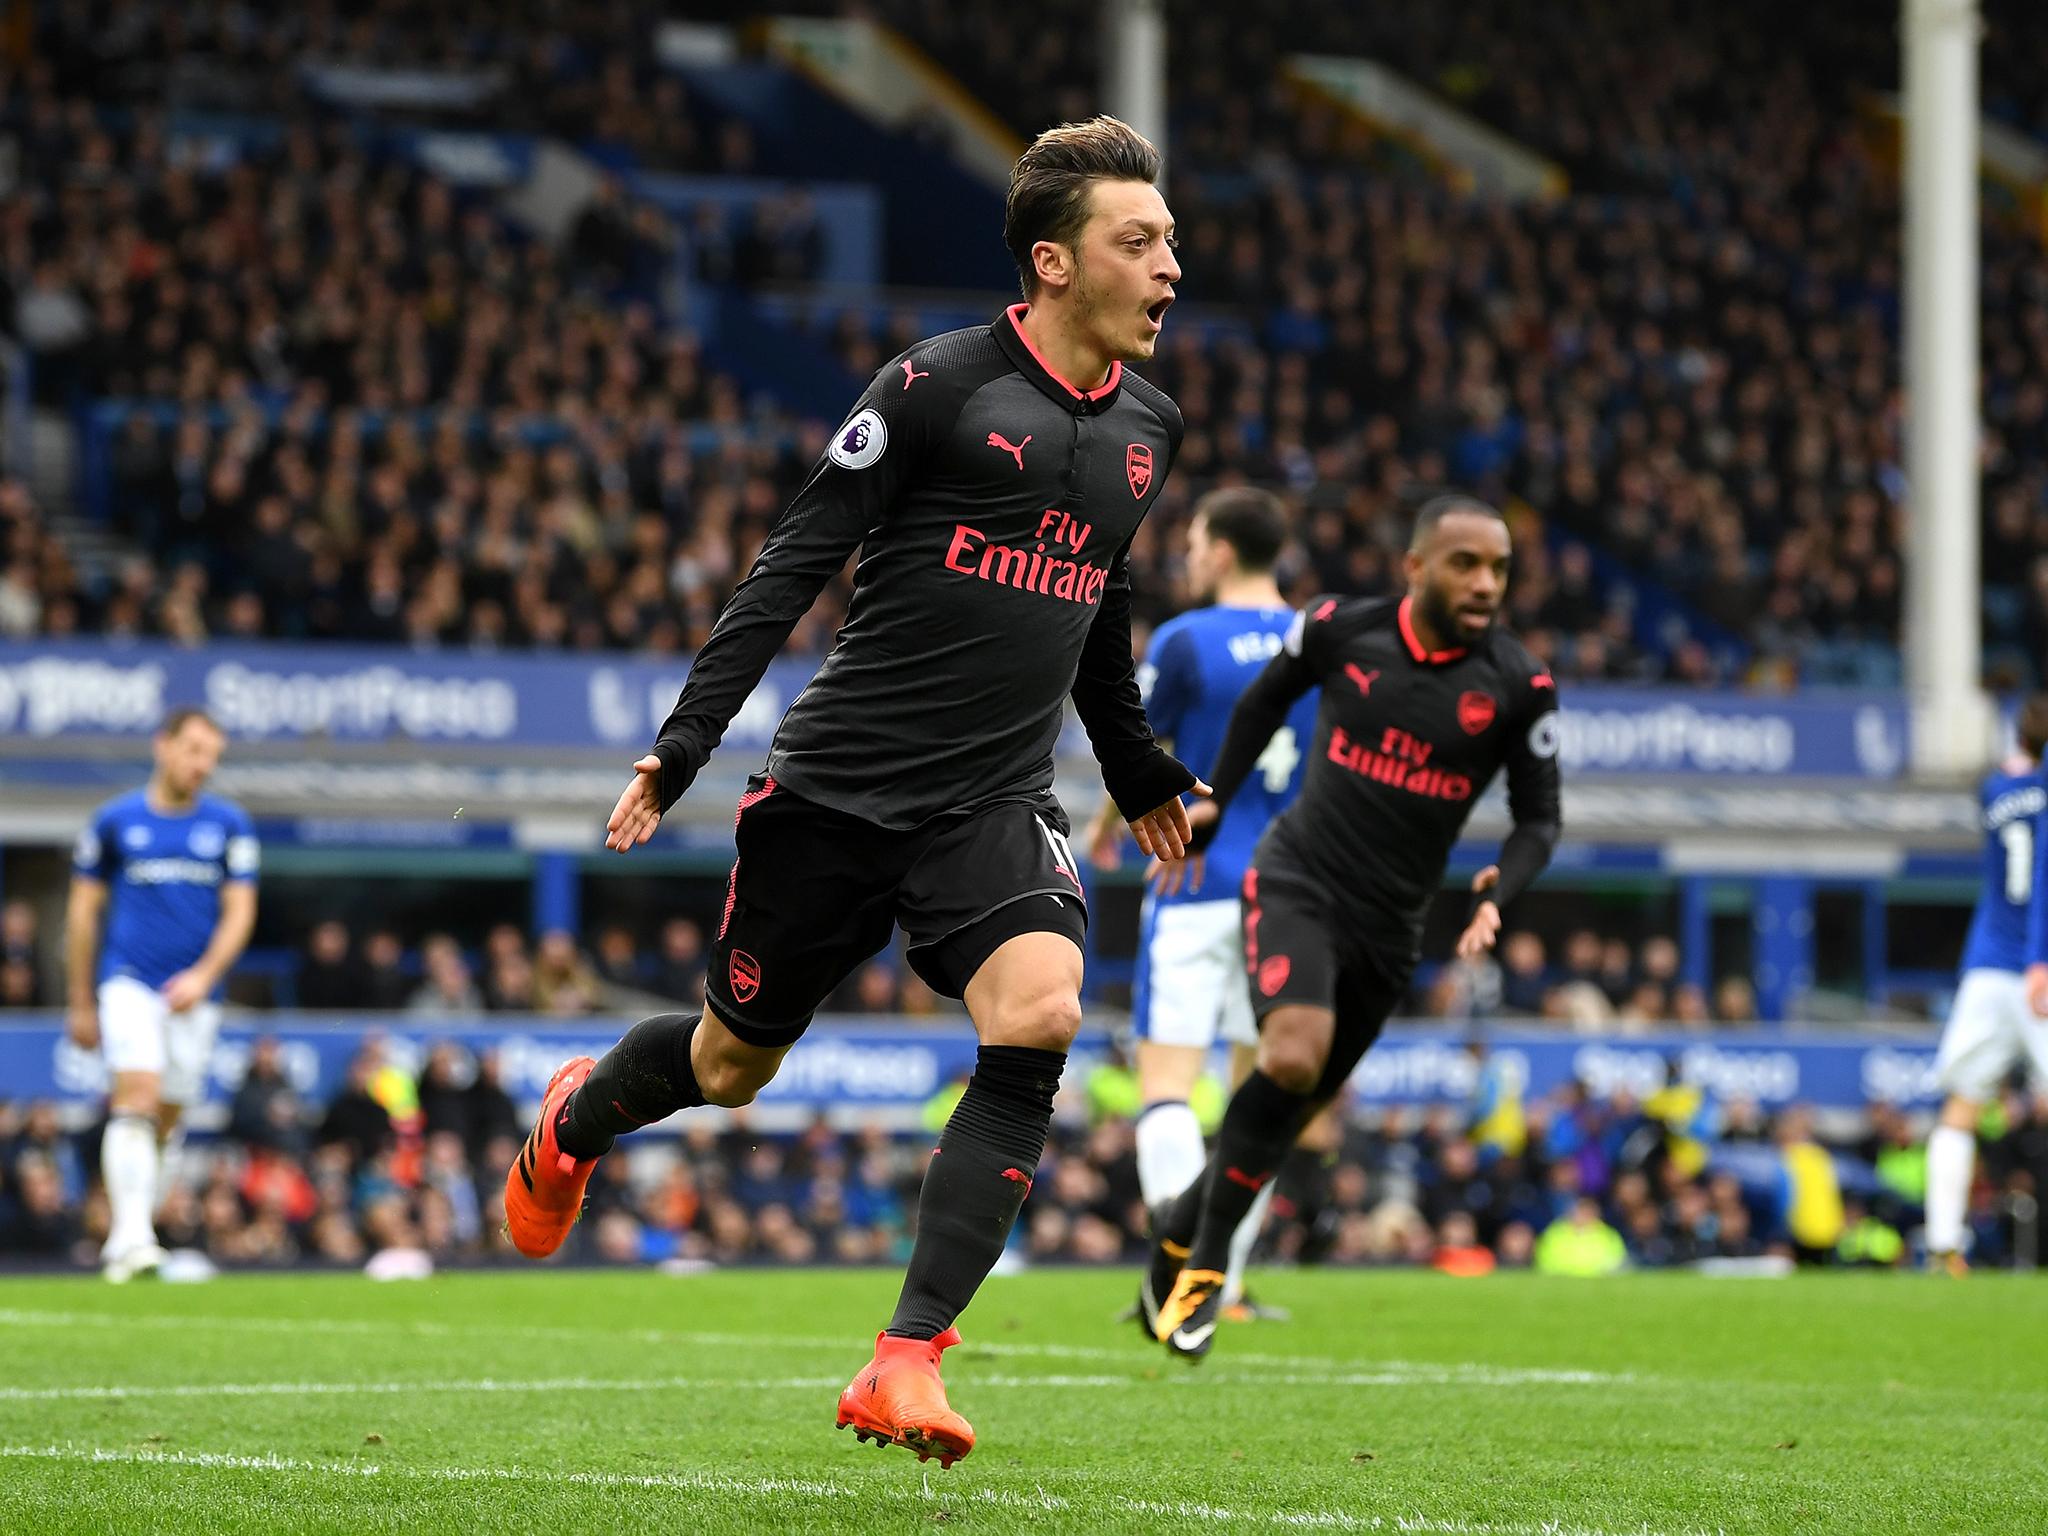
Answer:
x=1174 y=1221
x=975 y=1182
x=644 y=1078
x=1259 y=1126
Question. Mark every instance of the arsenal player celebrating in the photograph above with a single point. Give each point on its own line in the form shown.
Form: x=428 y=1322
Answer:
x=1423 y=701
x=992 y=480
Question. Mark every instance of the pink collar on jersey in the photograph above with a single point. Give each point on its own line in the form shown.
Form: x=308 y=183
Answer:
x=1415 y=649
x=1017 y=313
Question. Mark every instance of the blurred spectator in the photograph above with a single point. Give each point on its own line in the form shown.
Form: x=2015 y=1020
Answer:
x=1734 y=1001
x=618 y=957
x=444 y=1092
x=563 y=982
x=679 y=972
x=1524 y=973
x=448 y=987
x=329 y=976
x=1580 y=1243
x=492 y=1115
x=384 y=983
x=1459 y=1251
x=267 y=1111
x=355 y=1119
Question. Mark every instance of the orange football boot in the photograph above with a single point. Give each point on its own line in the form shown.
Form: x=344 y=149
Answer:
x=544 y=1189
x=898 y=1399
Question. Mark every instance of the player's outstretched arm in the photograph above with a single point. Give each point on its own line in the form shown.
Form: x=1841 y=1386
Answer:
x=873 y=455
x=1535 y=802
x=82 y=911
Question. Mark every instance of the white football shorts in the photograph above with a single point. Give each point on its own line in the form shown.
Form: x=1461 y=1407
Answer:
x=1191 y=988
x=139 y=1033
x=1989 y=1030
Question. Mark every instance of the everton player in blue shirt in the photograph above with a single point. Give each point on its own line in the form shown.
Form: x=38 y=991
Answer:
x=172 y=871
x=1990 y=1025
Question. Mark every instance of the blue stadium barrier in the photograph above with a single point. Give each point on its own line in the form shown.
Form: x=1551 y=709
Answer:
x=886 y=1064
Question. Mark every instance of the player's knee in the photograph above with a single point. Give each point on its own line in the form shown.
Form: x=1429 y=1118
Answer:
x=140 y=1095
x=729 y=1083
x=1293 y=1063
x=1045 y=1020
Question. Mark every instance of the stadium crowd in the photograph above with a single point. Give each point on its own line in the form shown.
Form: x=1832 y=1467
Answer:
x=1691 y=363
x=1583 y=980
x=386 y=415
x=1571 y=1182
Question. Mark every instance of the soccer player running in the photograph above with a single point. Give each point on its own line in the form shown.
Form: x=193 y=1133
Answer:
x=992 y=479
x=1424 y=699
x=172 y=871
x=1190 y=988
x=1992 y=1025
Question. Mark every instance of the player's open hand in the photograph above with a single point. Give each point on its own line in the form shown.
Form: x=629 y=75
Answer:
x=1484 y=928
x=638 y=812
x=1163 y=832
x=185 y=989
x=1166 y=877
x=2037 y=990
x=82 y=1024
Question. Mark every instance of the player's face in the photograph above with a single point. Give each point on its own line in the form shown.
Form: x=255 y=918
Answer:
x=1460 y=575
x=1124 y=268
x=1207 y=560
x=186 y=759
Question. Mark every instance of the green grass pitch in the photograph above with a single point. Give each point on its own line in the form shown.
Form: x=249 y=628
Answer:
x=565 y=1402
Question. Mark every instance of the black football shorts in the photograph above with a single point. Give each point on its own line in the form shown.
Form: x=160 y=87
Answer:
x=1301 y=947
x=815 y=892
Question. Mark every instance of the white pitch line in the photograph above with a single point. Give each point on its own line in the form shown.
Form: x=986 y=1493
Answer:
x=814 y=1488
x=484 y=1386
x=1484 y=1375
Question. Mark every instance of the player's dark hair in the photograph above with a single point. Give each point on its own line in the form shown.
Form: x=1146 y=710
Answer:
x=176 y=720
x=1049 y=187
x=1249 y=520
x=1434 y=505
x=2030 y=724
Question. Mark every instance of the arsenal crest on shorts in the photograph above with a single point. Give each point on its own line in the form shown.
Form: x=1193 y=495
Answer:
x=1138 y=469
x=1475 y=712
x=744 y=972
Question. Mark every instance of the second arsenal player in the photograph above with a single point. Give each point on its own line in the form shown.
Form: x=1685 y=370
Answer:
x=1424 y=699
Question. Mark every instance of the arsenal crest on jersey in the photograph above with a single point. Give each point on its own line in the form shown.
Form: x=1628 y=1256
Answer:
x=1138 y=469
x=1475 y=712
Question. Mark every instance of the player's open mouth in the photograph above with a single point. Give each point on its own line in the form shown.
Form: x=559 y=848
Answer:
x=1155 y=314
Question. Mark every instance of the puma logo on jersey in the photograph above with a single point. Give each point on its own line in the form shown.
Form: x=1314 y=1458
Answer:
x=1363 y=678
x=911 y=376
x=1015 y=450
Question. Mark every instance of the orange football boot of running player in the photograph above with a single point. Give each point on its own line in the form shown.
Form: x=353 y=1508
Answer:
x=898 y=1399
x=544 y=1189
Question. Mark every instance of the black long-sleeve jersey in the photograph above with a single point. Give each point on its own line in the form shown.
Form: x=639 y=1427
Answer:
x=993 y=504
x=1407 y=740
